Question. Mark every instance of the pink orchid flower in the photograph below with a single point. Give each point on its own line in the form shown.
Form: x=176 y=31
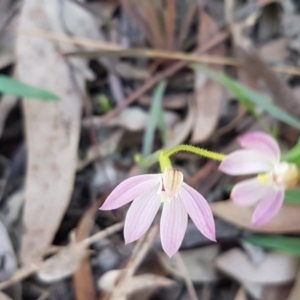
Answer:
x=179 y=200
x=261 y=155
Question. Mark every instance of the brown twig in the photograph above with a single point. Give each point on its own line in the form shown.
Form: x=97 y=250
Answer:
x=133 y=12
x=33 y=268
x=140 y=251
x=102 y=234
x=184 y=272
x=187 y=24
x=170 y=23
x=161 y=76
x=117 y=50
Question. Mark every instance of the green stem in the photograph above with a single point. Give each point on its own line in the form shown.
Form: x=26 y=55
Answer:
x=164 y=161
x=195 y=150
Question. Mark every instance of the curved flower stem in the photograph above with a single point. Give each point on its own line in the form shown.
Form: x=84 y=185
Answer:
x=195 y=150
x=164 y=161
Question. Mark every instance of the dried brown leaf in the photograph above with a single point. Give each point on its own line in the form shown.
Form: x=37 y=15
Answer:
x=105 y=148
x=6 y=105
x=62 y=264
x=287 y=221
x=282 y=94
x=130 y=71
x=295 y=292
x=52 y=129
x=4 y=297
x=199 y=263
x=134 y=119
x=181 y=130
x=7 y=255
x=255 y=71
x=209 y=94
x=83 y=277
x=240 y=295
x=276 y=292
x=176 y=101
x=136 y=284
x=69 y=257
x=237 y=264
x=277 y=50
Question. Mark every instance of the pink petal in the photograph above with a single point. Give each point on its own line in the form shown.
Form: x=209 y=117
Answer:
x=248 y=192
x=268 y=207
x=261 y=142
x=141 y=214
x=130 y=189
x=243 y=162
x=199 y=211
x=173 y=225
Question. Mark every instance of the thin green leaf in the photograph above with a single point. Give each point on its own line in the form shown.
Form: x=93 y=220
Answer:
x=17 y=88
x=292 y=196
x=154 y=118
x=162 y=127
x=293 y=155
x=242 y=92
x=289 y=245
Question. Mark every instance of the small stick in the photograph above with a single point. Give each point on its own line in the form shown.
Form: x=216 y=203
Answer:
x=140 y=251
x=31 y=269
x=188 y=282
x=102 y=234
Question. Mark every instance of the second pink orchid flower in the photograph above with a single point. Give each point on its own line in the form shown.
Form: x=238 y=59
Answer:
x=261 y=155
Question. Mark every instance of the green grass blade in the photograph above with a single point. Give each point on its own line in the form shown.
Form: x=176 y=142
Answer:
x=286 y=244
x=17 y=88
x=154 y=119
x=292 y=196
x=293 y=156
x=242 y=92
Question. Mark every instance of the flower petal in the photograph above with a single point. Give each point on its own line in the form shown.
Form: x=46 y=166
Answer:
x=261 y=142
x=248 y=192
x=130 y=189
x=243 y=162
x=173 y=225
x=268 y=207
x=199 y=211
x=141 y=214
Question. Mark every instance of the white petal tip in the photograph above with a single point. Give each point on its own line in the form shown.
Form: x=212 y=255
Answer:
x=128 y=241
x=104 y=208
x=170 y=253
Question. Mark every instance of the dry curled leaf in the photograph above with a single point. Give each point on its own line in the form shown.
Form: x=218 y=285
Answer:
x=276 y=268
x=62 y=264
x=83 y=277
x=52 y=128
x=7 y=255
x=105 y=148
x=181 y=130
x=287 y=221
x=208 y=93
x=140 y=283
x=176 y=101
x=4 y=297
x=134 y=119
x=199 y=263
x=240 y=295
x=6 y=105
x=295 y=292
x=277 y=50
